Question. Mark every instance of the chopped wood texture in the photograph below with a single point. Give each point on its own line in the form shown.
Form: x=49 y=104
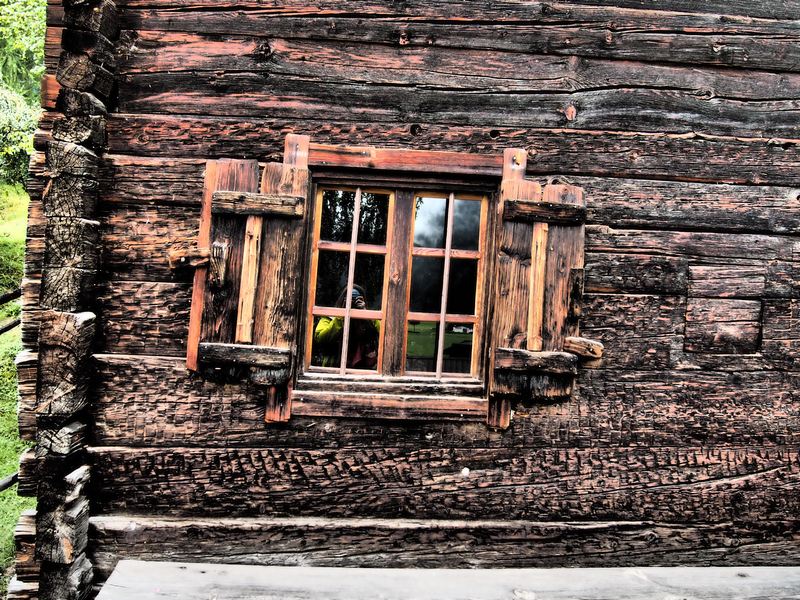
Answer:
x=26 y=567
x=62 y=532
x=62 y=441
x=194 y=581
x=66 y=582
x=724 y=326
x=65 y=340
x=26 y=363
x=257 y=204
x=693 y=484
x=28 y=478
x=22 y=590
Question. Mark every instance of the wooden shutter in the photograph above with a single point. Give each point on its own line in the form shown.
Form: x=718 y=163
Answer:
x=538 y=289
x=246 y=297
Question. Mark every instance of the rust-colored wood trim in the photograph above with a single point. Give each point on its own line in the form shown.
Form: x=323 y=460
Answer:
x=399 y=159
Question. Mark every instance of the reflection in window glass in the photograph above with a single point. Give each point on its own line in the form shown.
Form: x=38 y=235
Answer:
x=457 y=356
x=430 y=222
x=426 y=284
x=423 y=341
x=331 y=277
x=466 y=224
x=337 y=215
x=326 y=345
x=461 y=286
x=369 y=279
x=362 y=346
x=373 y=219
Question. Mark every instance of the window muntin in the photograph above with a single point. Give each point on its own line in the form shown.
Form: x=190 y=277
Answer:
x=443 y=327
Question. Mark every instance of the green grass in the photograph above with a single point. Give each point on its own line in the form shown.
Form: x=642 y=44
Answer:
x=13 y=217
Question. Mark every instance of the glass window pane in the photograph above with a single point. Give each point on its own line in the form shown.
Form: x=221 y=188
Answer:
x=430 y=221
x=337 y=215
x=374 y=218
x=457 y=356
x=423 y=340
x=326 y=344
x=331 y=278
x=362 y=346
x=368 y=281
x=462 y=286
x=426 y=284
x=466 y=224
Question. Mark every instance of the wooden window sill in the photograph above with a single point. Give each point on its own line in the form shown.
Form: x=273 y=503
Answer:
x=326 y=395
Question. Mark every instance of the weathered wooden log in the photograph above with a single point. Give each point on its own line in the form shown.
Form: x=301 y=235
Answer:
x=65 y=341
x=80 y=72
x=70 y=196
x=611 y=407
x=689 y=484
x=87 y=130
x=22 y=590
x=564 y=29
x=327 y=542
x=101 y=18
x=673 y=157
x=244 y=203
x=66 y=582
x=65 y=158
x=723 y=326
x=28 y=477
x=58 y=490
x=26 y=567
x=515 y=359
x=543 y=212
x=245 y=355
x=61 y=441
x=94 y=45
x=639 y=109
x=583 y=347
x=734 y=281
x=71 y=242
x=66 y=288
x=75 y=103
x=62 y=532
x=26 y=364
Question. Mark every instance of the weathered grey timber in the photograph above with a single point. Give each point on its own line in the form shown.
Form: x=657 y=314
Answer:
x=195 y=581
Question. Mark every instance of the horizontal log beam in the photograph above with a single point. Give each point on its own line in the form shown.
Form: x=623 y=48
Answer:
x=245 y=355
x=252 y=203
x=411 y=543
x=555 y=363
x=543 y=212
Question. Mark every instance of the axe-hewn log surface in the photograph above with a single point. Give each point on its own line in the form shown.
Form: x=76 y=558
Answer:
x=679 y=441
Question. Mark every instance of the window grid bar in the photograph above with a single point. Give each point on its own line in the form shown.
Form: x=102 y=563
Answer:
x=332 y=311
x=440 y=252
x=445 y=284
x=345 y=247
x=350 y=277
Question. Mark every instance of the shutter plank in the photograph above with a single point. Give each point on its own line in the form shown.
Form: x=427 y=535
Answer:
x=221 y=302
x=247 y=287
x=280 y=290
x=564 y=255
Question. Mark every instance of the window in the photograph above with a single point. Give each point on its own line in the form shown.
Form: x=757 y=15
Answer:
x=430 y=248
x=403 y=260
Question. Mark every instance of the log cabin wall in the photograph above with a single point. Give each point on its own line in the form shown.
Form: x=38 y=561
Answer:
x=680 y=124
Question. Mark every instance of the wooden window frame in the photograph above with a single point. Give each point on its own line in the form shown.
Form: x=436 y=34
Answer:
x=324 y=392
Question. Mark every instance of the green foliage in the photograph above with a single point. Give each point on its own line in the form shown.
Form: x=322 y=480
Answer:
x=17 y=124
x=22 y=32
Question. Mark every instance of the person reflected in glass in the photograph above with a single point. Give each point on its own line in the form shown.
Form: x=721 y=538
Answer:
x=362 y=347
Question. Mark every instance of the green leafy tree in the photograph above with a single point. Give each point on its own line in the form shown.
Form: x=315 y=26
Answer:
x=22 y=32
